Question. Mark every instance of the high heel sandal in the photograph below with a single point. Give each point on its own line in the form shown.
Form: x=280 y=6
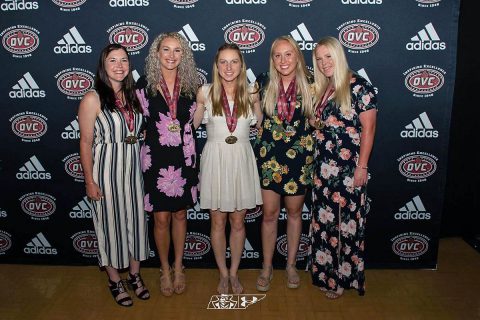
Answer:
x=293 y=280
x=222 y=287
x=117 y=288
x=263 y=282
x=166 y=286
x=237 y=287
x=135 y=282
x=179 y=281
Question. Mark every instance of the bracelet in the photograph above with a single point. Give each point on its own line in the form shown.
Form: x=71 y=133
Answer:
x=364 y=168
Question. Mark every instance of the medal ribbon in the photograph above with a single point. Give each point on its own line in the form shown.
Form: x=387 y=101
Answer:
x=321 y=105
x=286 y=101
x=127 y=113
x=171 y=101
x=231 y=117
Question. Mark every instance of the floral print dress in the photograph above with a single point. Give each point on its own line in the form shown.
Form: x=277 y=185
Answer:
x=168 y=159
x=338 y=209
x=284 y=157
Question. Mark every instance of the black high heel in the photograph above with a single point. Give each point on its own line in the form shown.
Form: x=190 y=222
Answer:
x=135 y=282
x=117 y=288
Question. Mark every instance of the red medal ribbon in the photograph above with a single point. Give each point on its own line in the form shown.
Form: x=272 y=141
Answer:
x=286 y=101
x=127 y=113
x=171 y=101
x=321 y=105
x=231 y=117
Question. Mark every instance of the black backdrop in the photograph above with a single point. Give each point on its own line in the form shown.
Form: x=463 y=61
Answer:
x=407 y=49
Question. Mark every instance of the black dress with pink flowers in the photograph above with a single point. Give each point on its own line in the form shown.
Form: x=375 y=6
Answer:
x=168 y=159
x=338 y=208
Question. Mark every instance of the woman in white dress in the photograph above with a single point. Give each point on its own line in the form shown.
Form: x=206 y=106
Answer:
x=229 y=181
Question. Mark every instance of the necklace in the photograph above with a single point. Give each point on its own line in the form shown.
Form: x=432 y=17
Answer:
x=230 y=117
x=174 y=125
x=129 y=116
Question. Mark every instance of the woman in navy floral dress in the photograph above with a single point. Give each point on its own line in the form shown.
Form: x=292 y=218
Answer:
x=346 y=119
x=284 y=151
x=169 y=164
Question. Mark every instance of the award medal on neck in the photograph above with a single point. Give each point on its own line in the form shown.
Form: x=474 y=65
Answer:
x=174 y=125
x=286 y=104
x=319 y=124
x=230 y=117
x=129 y=119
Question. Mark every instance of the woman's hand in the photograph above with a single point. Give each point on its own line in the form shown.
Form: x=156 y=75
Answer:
x=93 y=191
x=360 y=176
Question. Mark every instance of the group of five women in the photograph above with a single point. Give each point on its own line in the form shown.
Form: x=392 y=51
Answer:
x=137 y=150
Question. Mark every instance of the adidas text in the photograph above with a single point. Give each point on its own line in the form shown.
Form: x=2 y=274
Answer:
x=19 y=5
x=72 y=48
x=26 y=93
x=419 y=133
x=33 y=175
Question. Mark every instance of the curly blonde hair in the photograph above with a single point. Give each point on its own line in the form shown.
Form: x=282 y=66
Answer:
x=189 y=79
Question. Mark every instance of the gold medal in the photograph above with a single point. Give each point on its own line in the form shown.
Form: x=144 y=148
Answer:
x=173 y=127
x=231 y=139
x=130 y=139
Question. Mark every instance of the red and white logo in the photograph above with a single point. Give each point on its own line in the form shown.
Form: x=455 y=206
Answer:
x=5 y=241
x=302 y=246
x=73 y=167
x=29 y=126
x=299 y=3
x=74 y=82
x=428 y=3
x=247 y=34
x=410 y=245
x=253 y=214
x=183 y=4
x=358 y=35
x=86 y=243
x=132 y=35
x=69 y=5
x=40 y=206
x=424 y=80
x=20 y=40
x=417 y=166
x=196 y=246
x=202 y=74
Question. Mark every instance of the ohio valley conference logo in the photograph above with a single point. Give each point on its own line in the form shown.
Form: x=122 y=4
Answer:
x=358 y=36
x=74 y=82
x=196 y=246
x=183 y=4
x=132 y=35
x=417 y=166
x=20 y=40
x=246 y=34
x=428 y=3
x=5 y=241
x=69 y=5
x=85 y=242
x=29 y=126
x=299 y=3
x=38 y=205
x=73 y=167
x=410 y=246
x=424 y=80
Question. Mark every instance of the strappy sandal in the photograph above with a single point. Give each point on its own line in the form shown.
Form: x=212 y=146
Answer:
x=237 y=287
x=179 y=281
x=166 y=286
x=222 y=287
x=263 y=282
x=334 y=294
x=135 y=282
x=293 y=280
x=117 y=288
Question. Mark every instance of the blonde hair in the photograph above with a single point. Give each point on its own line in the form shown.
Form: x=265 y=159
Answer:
x=301 y=73
x=189 y=79
x=340 y=78
x=242 y=97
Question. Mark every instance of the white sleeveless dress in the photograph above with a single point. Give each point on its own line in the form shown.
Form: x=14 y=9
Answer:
x=229 y=177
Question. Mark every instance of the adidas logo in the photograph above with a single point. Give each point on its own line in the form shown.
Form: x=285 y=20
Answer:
x=82 y=210
x=413 y=210
x=195 y=44
x=305 y=213
x=26 y=88
x=33 y=170
x=426 y=39
x=303 y=37
x=72 y=42
x=420 y=127
x=72 y=131
x=12 y=5
x=248 y=251
x=251 y=76
x=39 y=245
x=364 y=74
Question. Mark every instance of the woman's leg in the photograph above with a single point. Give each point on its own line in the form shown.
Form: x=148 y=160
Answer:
x=293 y=206
x=219 y=244
x=179 y=232
x=161 y=233
x=237 y=244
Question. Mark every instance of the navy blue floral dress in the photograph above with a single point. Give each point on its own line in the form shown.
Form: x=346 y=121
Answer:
x=338 y=208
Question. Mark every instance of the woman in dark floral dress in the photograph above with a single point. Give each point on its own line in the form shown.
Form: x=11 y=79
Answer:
x=346 y=119
x=169 y=163
x=284 y=151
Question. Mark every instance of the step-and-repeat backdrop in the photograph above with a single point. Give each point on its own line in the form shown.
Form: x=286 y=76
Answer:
x=49 y=51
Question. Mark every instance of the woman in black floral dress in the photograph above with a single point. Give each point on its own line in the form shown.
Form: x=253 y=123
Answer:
x=284 y=151
x=346 y=118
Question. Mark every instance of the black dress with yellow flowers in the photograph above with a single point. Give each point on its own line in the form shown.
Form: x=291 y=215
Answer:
x=284 y=151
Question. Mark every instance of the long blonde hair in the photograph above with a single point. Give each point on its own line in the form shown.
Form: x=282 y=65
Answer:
x=242 y=97
x=340 y=78
x=301 y=73
x=189 y=79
